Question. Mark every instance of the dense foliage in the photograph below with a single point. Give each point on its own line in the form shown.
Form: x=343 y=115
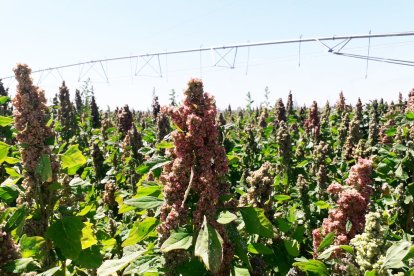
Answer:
x=187 y=190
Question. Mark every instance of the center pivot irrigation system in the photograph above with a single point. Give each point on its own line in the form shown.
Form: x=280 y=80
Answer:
x=225 y=56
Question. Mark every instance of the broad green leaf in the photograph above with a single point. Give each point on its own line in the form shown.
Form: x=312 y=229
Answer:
x=73 y=159
x=142 y=266
x=152 y=164
x=141 y=230
x=88 y=237
x=191 y=268
x=44 y=168
x=399 y=171
x=282 y=197
x=292 y=247
x=327 y=241
x=327 y=253
x=6 y=121
x=164 y=145
x=4 y=99
x=240 y=246
x=283 y=225
x=12 y=173
x=66 y=234
x=11 y=160
x=21 y=265
x=144 y=202
x=240 y=271
x=149 y=191
x=209 y=247
x=314 y=266
x=256 y=222
x=32 y=247
x=391 y=131
x=409 y=116
x=4 y=150
x=395 y=254
x=50 y=272
x=410 y=253
x=112 y=266
x=347 y=248
x=302 y=164
x=226 y=217
x=370 y=273
x=322 y=204
x=8 y=194
x=258 y=248
x=123 y=208
x=86 y=210
x=16 y=219
x=177 y=240
x=90 y=258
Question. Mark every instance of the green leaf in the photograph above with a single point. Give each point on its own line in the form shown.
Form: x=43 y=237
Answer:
x=209 y=246
x=12 y=160
x=258 y=248
x=370 y=273
x=141 y=230
x=314 y=266
x=348 y=226
x=144 y=265
x=4 y=150
x=8 y=194
x=164 y=145
x=322 y=204
x=347 y=248
x=50 y=272
x=6 y=121
x=191 y=268
x=226 y=217
x=44 y=168
x=282 y=197
x=391 y=131
x=240 y=271
x=16 y=219
x=327 y=241
x=4 y=99
x=149 y=191
x=283 y=225
x=12 y=173
x=73 y=159
x=144 y=202
x=112 y=266
x=292 y=247
x=256 y=222
x=399 y=171
x=409 y=116
x=66 y=234
x=395 y=254
x=177 y=240
x=302 y=164
x=32 y=247
x=152 y=164
x=410 y=254
x=21 y=265
x=327 y=253
x=88 y=237
x=89 y=258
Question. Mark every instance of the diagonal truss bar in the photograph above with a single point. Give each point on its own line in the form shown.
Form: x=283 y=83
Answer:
x=223 y=58
x=266 y=43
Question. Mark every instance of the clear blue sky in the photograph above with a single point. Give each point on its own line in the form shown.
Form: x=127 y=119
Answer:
x=50 y=33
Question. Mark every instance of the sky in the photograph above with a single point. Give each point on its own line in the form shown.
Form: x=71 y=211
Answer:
x=49 y=33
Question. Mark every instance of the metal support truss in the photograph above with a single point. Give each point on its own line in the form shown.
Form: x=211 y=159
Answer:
x=225 y=59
